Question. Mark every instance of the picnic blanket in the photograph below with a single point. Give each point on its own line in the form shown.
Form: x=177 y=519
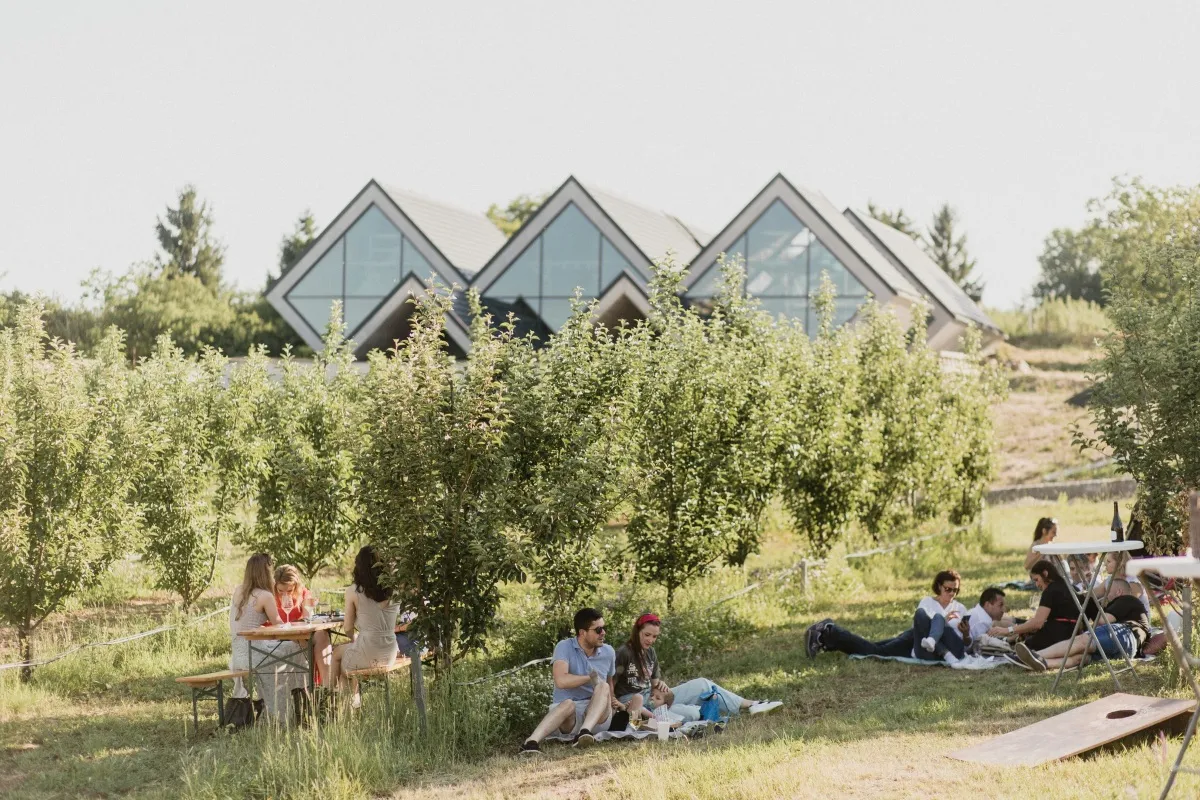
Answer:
x=976 y=663
x=688 y=730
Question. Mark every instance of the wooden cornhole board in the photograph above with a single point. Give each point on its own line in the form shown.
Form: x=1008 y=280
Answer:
x=1076 y=731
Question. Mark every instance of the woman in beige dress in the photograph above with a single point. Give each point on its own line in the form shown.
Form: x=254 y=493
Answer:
x=370 y=622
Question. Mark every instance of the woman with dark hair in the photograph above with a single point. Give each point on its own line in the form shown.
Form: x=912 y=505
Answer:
x=1056 y=615
x=638 y=672
x=938 y=621
x=1043 y=533
x=370 y=622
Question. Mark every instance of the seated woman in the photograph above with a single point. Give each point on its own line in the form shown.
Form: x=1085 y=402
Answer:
x=293 y=601
x=1056 y=615
x=252 y=606
x=1114 y=565
x=370 y=622
x=937 y=623
x=638 y=672
x=1043 y=533
x=1125 y=636
x=647 y=689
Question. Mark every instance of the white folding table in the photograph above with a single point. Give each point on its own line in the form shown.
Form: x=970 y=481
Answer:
x=1184 y=568
x=1059 y=551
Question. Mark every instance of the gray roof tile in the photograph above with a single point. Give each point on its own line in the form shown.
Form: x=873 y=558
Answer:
x=466 y=238
x=654 y=232
x=924 y=270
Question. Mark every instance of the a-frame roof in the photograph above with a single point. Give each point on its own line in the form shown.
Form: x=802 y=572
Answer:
x=466 y=238
x=402 y=214
x=655 y=233
x=834 y=231
x=907 y=255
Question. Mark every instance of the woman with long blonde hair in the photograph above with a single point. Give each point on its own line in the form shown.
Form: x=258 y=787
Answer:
x=292 y=597
x=253 y=605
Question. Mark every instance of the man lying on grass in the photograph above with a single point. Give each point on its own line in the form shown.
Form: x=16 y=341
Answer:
x=1130 y=627
x=582 y=699
x=942 y=627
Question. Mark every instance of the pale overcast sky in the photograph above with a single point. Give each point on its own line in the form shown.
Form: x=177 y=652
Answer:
x=1015 y=113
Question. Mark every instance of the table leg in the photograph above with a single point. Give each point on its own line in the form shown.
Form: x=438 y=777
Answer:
x=1181 y=658
x=1083 y=622
x=1064 y=570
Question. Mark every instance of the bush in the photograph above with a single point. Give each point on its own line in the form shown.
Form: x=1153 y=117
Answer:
x=1062 y=322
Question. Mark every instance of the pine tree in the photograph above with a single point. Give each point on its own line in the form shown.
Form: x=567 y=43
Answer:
x=187 y=242
x=949 y=250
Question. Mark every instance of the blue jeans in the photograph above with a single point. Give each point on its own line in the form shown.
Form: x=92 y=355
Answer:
x=946 y=639
x=689 y=693
x=1108 y=635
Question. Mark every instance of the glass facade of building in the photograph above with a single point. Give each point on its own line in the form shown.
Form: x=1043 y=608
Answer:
x=571 y=252
x=784 y=262
x=361 y=269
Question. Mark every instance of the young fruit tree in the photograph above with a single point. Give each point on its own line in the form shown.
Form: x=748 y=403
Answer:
x=195 y=464
x=702 y=432
x=563 y=440
x=69 y=445
x=310 y=433
x=437 y=474
x=825 y=455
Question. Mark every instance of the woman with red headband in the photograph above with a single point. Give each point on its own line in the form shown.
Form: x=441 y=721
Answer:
x=638 y=672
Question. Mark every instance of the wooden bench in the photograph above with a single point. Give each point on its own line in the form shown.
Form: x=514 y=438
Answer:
x=368 y=673
x=212 y=685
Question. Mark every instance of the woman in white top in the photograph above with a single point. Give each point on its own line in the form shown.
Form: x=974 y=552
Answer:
x=936 y=624
x=370 y=622
x=252 y=606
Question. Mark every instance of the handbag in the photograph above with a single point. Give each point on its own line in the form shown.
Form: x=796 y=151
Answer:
x=240 y=712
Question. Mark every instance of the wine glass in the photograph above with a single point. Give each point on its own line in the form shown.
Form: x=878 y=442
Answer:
x=310 y=607
x=287 y=603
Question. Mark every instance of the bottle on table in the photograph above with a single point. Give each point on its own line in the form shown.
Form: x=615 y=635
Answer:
x=1117 y=532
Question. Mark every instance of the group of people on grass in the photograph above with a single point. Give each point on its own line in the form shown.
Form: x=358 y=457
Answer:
x=598 y=689
x=278 y=596
x=944 y=630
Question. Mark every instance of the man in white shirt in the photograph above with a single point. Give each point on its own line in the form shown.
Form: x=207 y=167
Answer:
x=988 y=614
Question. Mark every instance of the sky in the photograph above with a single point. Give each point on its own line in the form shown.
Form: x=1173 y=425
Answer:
x=1015 y=114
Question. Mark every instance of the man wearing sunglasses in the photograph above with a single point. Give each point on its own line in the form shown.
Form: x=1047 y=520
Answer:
x=582 y=700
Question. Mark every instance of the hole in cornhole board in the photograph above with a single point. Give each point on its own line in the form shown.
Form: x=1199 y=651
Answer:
x=1079 y=730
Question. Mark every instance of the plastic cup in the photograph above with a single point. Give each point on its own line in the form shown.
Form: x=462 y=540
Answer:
x=664 y=730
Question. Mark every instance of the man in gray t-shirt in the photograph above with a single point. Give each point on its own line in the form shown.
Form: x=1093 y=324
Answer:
x=582 y=699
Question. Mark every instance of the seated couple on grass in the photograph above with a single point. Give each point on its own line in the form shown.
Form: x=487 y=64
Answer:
x=592 y=681
x=942 y=628
x=1125 y=636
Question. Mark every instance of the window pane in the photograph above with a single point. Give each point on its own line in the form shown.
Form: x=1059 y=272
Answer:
x=790 y=307
x=844 y=309
x=555 y=313
x=415 y=263
x=315 y=310
x=777 y=244
x=570 y=255
x=357 y=311
x=521 y=277
x=845 y=284
x=325 y=277
x=372 y=255
x=612 y=264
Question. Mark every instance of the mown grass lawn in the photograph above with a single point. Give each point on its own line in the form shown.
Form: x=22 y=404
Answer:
x=111 y=722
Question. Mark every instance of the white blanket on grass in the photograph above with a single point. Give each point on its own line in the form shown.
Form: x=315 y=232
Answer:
x=976 y=663
x=684 y=731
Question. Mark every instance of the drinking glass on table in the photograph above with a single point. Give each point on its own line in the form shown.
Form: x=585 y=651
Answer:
x=287 y=604
x=310 y=605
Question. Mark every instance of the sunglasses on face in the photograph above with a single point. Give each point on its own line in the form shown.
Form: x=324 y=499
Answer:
x=599 y=630
x=950 y=589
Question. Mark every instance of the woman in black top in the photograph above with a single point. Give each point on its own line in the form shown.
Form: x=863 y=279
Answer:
x=1055 y=618
x=1122 y=631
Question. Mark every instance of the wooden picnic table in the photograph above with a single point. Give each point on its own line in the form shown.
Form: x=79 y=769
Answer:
x=299 y=661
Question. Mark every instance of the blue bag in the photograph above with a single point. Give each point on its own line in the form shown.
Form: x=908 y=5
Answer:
x=710 y=706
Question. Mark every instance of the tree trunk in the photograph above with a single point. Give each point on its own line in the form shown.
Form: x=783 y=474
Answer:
x=25 y=647
x=670 y=597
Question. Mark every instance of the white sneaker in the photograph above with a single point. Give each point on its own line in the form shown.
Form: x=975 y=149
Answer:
x=763 y=706
x=950 y=659
x=928 y=643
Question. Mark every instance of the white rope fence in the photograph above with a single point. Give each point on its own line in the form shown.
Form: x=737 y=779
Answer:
x=122 y=640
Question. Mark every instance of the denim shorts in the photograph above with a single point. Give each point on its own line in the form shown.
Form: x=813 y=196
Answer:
x=1106 y=634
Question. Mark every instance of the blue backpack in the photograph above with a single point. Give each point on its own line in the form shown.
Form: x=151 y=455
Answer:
x=710 y=706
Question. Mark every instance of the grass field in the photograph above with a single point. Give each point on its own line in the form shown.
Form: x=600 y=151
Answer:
x=111 y=722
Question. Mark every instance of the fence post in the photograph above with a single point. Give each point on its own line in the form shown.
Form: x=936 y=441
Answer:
x=804 y=576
